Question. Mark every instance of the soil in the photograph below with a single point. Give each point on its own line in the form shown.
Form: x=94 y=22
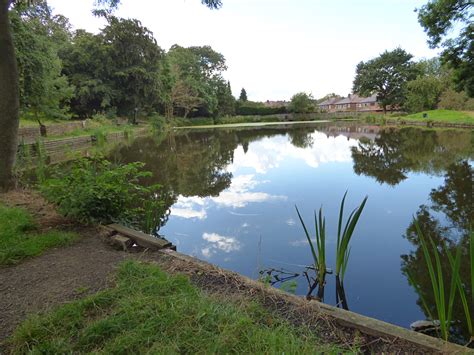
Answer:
x=65 y=274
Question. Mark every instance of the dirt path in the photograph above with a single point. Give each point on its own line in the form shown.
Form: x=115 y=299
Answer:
x=59 y=276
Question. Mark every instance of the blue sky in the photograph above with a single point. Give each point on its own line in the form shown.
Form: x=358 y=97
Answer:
x=275 y=48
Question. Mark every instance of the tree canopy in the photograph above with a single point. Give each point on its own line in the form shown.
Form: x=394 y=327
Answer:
x=302 y=103
x=385 y=76
x=440 y=18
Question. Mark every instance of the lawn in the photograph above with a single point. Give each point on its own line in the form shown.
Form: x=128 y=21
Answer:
x=447 y=116
x=19 y=238
x=149 y=311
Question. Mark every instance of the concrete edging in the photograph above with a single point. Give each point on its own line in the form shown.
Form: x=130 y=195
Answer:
x=345 y=318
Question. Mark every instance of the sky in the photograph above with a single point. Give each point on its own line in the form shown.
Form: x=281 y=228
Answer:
x=276 y=48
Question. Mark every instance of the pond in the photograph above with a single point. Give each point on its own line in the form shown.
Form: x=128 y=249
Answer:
x=235 y=191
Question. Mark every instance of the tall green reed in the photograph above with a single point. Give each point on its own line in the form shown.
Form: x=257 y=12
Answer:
x=319 y=254
x=343 y=239
x=444 y=293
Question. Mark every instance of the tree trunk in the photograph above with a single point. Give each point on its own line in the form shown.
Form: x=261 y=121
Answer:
x=9 y=101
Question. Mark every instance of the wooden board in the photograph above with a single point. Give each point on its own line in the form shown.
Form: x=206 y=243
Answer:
x=142 y=239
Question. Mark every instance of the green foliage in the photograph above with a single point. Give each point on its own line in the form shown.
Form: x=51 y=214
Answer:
x=85 y=63
x=225 y=100
x=38 y=37
x=439 y=18
x=385 y=76
x=319 y=253
x=19 y=240
x=95 y=190
x=453 y=100
x=120 y=70
x=423 y=93
x=243 y=95
x=133 y=64
x=251 y=108
x=344 y=236
x=444 y=304
x=302 y=103
x=151 y=312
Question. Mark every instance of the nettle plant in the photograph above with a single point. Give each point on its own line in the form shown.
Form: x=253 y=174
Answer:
x=98 y=191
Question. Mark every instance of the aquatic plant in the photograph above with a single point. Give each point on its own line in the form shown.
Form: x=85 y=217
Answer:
x=319 y=257
x=443 y=305
x=343 y=239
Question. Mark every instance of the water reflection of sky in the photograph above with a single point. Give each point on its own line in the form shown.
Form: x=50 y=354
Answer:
x=253 y=224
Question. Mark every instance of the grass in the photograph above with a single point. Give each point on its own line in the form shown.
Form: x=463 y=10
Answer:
x=446 y=116
x=154 y=313
x=32 y=122
x=18 y=239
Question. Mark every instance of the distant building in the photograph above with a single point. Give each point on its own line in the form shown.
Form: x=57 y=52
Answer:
x=352 y=103
x=269 y=103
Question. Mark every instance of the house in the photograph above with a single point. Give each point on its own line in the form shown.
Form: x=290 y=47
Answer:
x=352 y=103
x=328 y=105
x=273 y=104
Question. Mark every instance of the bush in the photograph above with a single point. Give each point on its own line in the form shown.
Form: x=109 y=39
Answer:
x=250 y=108
x=452 y=100
x=95 y=190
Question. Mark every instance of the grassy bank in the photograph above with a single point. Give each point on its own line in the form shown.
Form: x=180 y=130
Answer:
x=151 y=312
x=442 y=116
x=19 y=238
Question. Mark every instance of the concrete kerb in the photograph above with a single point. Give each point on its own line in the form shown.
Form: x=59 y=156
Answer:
x=348 y=319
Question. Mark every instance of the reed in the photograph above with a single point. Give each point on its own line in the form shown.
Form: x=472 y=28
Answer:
x=443 y=304
x=319 y=253
x=344 y=236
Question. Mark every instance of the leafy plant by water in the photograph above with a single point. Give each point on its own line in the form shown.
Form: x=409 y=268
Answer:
x=318 y=253
x=344 y=236
x=95 y=190
x=444 y=292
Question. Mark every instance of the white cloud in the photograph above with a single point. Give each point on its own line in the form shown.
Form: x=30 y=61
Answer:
x=238 y=194
x=189 y=208
x=291 y=222
x=299 y=243
x=268 y=153
x=219 y=243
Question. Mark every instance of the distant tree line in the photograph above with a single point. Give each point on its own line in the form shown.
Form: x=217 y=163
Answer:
x=119 y=71
x=444 y=82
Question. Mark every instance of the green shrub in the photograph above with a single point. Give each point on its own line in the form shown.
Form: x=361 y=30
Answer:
x=95 y=190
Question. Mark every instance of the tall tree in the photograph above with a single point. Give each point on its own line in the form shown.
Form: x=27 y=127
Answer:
x=132 y=64
x=38 y=36
x=9 y=90
x=385 y=76
x=243 y=95
x=302 y=103
x=440 y=18
x=85 y=66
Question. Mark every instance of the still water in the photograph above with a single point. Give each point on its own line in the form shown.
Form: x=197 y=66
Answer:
x=235 y=191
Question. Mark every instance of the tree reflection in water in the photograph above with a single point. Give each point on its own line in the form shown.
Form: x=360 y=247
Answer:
x=396 y=152
x=447 y=220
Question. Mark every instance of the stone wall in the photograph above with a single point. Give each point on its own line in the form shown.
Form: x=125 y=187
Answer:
x=32 y=134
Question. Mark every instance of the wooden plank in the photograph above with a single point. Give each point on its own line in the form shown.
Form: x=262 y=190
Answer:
x=142 y=239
